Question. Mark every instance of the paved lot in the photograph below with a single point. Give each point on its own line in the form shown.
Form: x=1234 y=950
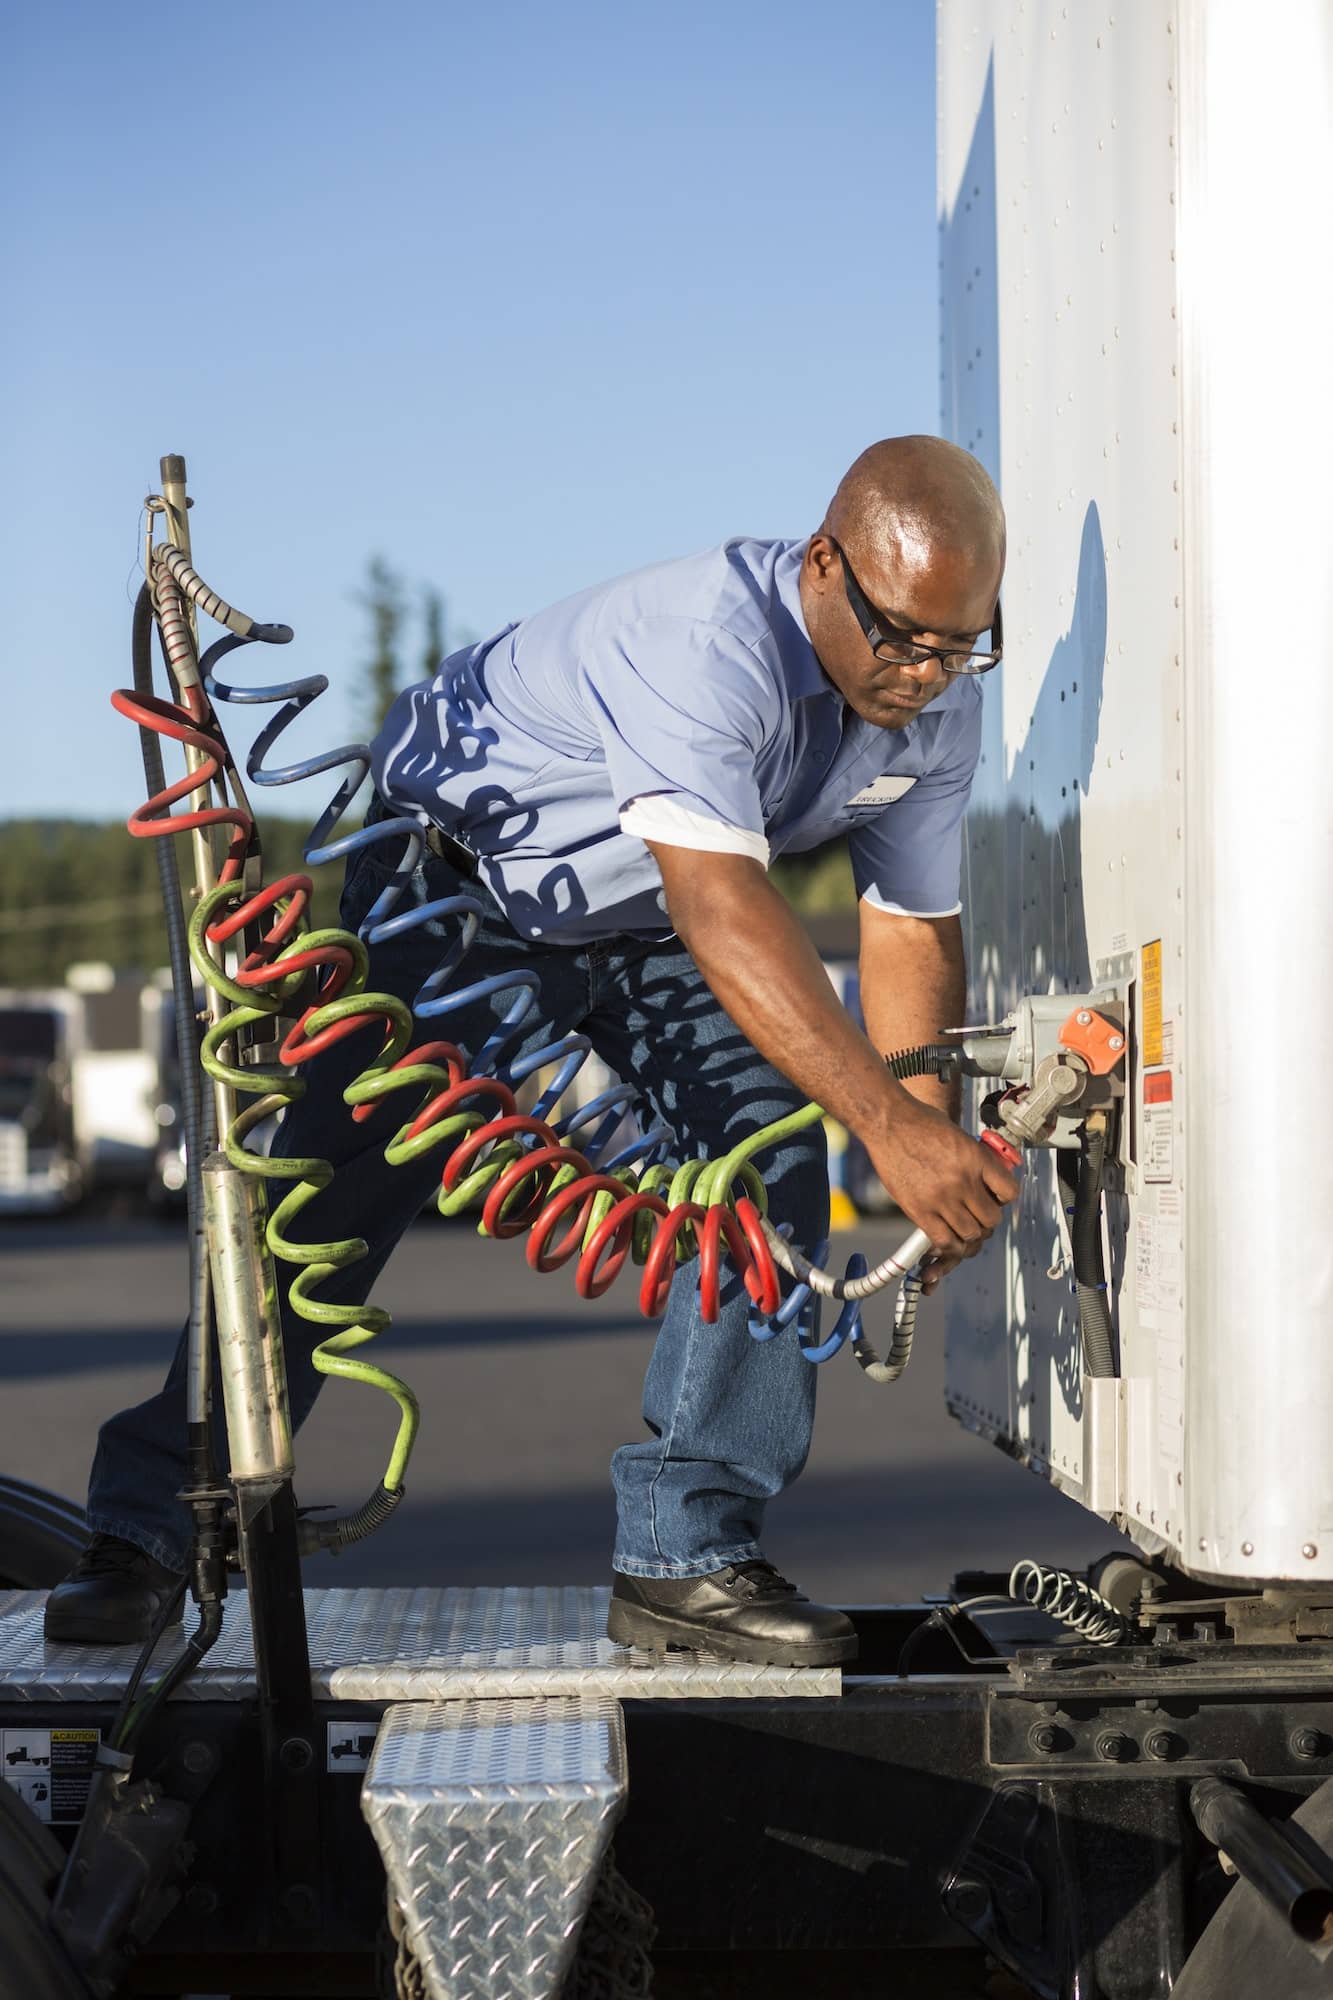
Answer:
x=525 y=1391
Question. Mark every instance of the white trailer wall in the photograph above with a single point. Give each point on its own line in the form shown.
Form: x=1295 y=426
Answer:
x=1135 y=315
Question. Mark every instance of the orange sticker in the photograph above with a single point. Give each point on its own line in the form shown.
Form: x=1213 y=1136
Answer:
x=1151 y=1004
x=1157 y=1087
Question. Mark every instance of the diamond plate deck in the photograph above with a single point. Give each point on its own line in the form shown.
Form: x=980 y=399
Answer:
x=492 y=1818
x=407 y=1645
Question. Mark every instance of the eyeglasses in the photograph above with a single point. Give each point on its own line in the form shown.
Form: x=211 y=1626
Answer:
x=905 y=652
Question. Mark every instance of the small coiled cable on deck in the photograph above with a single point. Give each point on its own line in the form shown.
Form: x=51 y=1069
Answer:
x=1071 y=1600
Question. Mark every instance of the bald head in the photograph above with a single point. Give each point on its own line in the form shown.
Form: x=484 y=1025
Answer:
x=916 y=532
x=910 y=500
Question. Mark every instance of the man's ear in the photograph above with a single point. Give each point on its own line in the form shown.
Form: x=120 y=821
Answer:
x=821 y=559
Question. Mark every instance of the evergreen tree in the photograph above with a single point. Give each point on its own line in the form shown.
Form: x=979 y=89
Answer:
x=433 y=617
x=384 y=600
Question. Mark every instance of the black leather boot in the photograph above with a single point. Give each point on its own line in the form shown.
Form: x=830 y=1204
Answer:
x=747 y=1612
x=110 y=1597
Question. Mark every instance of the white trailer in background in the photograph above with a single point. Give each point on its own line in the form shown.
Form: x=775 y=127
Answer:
x=39 y=1166
x=1136 y=304
x=117 y=1075
x=89 y=1091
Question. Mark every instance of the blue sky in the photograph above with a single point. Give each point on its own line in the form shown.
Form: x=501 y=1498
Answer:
x=515 y=296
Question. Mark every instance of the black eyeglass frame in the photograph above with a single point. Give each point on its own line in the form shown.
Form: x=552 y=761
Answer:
x=867 y=618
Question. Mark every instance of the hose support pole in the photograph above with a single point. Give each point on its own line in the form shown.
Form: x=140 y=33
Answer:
x=176 y=504
x=246 y=1305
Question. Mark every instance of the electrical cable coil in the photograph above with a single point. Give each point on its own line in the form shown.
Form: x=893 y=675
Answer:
x=1071 y=1600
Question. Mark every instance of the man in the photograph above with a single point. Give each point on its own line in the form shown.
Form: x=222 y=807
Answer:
x=622 y=765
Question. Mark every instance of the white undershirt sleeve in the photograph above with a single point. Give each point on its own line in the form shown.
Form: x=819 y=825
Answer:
x=662 y=816
x=878 y=902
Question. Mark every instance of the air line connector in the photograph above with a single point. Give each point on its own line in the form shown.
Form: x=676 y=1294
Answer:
x=1062 y=1056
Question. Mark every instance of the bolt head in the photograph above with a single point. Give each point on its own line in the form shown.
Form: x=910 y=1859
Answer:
x=1309 y=1551
x=1247 y=1548
x=296 y=1754
x=300 y=1906
x=967 y=1899
x=1113 y=1746
x=1116 y=1042
x=1084 y=1018
x=1044 y=1737
x=1307 y=1743
x=1164 y=1744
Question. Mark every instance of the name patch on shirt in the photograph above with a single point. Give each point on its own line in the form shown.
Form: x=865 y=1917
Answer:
x=879 y=794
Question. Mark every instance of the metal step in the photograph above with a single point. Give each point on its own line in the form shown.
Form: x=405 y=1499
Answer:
x=493 y=1818
x=407 y=1645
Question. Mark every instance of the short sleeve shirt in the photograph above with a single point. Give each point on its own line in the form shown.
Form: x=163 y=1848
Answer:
x=685 y=702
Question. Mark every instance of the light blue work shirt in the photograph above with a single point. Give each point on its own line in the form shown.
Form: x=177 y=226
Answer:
x=694 y=682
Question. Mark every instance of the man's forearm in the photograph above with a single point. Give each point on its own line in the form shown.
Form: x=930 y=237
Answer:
x=763 y=968
x=913 y=984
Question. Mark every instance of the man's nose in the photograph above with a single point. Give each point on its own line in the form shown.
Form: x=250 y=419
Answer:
x=926 y=673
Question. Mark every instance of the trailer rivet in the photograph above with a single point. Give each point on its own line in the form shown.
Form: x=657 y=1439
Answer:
x=1114 y=1746
x=1309 y=1551
x=1307 y=1743
x=1116 y=1042
x=1247 y=1548
x=1084 y=1018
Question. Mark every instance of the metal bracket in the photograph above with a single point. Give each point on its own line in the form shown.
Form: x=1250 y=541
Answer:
x=994 y=1890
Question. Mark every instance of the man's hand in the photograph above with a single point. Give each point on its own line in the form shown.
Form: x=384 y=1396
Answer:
x=762 y=967
x=947 y=1184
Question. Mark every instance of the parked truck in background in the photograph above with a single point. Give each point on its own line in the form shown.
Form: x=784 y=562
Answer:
x=89 y=1092
x=40 y=1172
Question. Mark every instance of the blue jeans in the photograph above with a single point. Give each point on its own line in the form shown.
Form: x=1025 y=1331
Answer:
x=729 y=1418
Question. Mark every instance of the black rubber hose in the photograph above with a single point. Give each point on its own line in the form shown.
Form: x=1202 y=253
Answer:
x=340 y=1534
x=194 y=1115
x=930 y=1059
x=207 y=1554
x=196 y=1648
x=1085 y=1239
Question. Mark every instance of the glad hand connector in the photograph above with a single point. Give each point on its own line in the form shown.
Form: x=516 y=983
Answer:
x=1062 y=1058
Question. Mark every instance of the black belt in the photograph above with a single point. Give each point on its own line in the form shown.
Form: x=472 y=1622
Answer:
x=445 y=846
x=448 y=847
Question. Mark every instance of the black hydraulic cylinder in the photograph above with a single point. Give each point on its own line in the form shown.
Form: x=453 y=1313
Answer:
x=1288 y=1877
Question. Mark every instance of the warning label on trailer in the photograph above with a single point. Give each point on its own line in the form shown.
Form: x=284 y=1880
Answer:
x=1158 y=1261
x=1150 y=1003
x=1159 y=1127
x=51 y=1769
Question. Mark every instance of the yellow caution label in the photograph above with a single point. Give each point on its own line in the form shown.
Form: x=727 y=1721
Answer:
x=1150 y=1004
